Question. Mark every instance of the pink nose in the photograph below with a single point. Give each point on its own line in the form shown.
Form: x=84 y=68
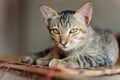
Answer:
x=63 y=43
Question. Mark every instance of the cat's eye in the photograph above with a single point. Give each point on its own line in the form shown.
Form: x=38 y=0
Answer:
x=74 y=30
x=55 y=31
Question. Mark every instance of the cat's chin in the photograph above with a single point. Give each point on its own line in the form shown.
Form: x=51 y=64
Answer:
x=66 y=48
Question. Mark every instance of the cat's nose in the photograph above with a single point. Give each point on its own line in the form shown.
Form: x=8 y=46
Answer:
x=63 y=43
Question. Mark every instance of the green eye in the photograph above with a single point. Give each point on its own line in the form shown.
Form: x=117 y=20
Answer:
x=55 y=31
x=74 y=30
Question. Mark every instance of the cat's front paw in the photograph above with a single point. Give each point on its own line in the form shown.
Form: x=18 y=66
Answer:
x=42 y=61
x=57 y=62
x=27 y=60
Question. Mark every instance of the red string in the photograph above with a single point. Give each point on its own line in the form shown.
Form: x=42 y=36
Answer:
x=5 y=71
x=50 y=73
x=48 y=76
x=28 y=68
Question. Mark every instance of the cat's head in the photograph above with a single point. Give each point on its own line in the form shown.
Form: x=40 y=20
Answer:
x=68 y=28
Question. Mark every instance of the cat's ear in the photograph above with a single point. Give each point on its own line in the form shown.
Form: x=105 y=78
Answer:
x=84 y=14
x=48 y=13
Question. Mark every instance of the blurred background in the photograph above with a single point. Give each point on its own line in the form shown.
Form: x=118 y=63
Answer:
x=23 y=30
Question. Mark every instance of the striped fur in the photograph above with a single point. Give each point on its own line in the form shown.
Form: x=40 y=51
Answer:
x=78 y=45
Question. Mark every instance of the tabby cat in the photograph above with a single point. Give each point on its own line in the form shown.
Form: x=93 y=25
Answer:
x=78 y=45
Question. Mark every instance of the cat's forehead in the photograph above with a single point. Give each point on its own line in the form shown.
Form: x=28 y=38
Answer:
x=66 y=13
x=65 y=18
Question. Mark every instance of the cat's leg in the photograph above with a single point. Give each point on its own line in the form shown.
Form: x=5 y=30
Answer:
x=53 y=55
x=58 y=62
x=43 y=61
x=42 y=58
x=31 y=59
x=82 y=61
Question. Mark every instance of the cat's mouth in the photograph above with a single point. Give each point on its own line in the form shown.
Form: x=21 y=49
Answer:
x=65 y=48
x=68 y=47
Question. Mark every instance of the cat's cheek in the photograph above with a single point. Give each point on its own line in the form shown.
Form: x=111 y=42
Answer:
x=55 y=39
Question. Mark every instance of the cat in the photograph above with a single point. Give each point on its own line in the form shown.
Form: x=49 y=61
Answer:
x=78 y=45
